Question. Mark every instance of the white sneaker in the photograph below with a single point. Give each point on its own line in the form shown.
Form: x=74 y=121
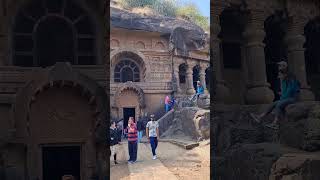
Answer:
x=154 y=157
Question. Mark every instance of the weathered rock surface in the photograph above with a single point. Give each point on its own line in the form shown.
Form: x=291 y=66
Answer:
x=204 y=101
x=301 y=129
x=249 y=162
x=248 y=150
x=233 y=125
x=202 y=123
x=189 y=122
x=184 y=102
x=296 y=166
x=184 y=35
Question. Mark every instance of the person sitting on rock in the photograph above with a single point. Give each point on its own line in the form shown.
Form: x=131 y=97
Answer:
x=290 y=89
x=200 y=90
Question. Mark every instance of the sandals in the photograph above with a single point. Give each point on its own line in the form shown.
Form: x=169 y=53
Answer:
x=255 y=117
x=273 y=126
x=258 y=120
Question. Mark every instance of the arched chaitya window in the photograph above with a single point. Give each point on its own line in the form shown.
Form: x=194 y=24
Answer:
x=50 y=31
x=126 y=70
x=182 y=73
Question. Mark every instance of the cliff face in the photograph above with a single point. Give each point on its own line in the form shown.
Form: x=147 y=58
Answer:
x=247 y=150
x=184 y=36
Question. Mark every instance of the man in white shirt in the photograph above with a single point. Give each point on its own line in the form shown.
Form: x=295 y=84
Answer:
x=152 y=132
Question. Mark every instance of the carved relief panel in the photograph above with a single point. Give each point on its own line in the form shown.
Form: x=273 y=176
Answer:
x=160 y=68
x=114 y=43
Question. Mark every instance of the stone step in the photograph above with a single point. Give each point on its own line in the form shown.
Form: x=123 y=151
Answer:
x=181 y=143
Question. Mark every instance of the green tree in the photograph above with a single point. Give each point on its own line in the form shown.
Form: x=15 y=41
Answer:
x=165 y=7
x=193 y=13
x=171 y=8
x=136 y=3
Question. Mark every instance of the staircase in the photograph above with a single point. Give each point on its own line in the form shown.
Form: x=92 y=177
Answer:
x=165 y=121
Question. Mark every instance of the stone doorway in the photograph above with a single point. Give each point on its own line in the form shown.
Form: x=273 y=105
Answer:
x=58 y=161
x=128 y=112
x=195 y=75
x=61 y=116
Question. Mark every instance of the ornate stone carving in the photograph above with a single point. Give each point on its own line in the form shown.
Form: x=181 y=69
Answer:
x=160 y=46
x=131 y=86
x=302 y=11
x=114 y=43
x=160 y=64
x=267 y=7
x=58 y=115
x=140 y=45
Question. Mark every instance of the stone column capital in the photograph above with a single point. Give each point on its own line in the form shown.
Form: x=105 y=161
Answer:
x=176 y=67
x=202 y=74
x=296 y=25
x=189 y=70
x=254 y=30
x=217 y=7
x=204 y=66
x=216 y=28
x=255 y=36
x=295 y=42
x=256 y=19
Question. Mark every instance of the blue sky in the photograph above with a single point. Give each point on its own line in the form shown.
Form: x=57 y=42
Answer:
x=203 y=6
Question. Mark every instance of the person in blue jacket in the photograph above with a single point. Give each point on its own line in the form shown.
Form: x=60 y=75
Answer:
x=290 y=89
x=200 y=90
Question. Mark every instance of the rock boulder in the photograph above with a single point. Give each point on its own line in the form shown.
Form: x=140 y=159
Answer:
x=296 y=166
x=301 y=128
x=249 y=162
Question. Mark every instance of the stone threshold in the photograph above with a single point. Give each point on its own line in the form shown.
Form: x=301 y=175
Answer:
x=188 y=145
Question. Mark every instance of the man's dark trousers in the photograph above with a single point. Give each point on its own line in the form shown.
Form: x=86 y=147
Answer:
x=154 y=144
x=132 y=147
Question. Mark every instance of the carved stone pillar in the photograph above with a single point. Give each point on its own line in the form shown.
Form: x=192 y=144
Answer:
x=176 y=74
x=3 y=43
x=32 y=161
x=296 y=58
x=221 y=91
x=190 y=88
x=203 y=78
x=90 y=158
x=258 y=91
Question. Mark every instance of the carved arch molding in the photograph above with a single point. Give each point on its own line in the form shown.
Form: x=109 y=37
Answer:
x=133 y=87
x=62 y=74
